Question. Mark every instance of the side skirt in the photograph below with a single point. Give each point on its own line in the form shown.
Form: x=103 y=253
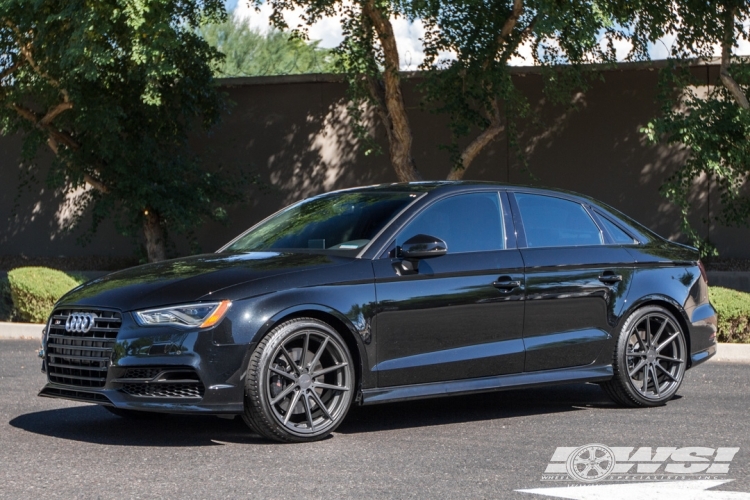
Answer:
x=487 y=384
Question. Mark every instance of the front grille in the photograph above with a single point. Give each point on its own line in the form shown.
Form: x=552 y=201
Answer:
x=183 y=390
x=81 y=359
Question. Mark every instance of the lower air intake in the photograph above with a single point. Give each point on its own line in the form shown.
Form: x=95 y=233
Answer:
x=161 y=390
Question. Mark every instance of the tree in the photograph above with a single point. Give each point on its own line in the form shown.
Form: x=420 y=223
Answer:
x=475 y=85
x=712 y=121
x=247 y=52
x=368 y=57
x=112 y=88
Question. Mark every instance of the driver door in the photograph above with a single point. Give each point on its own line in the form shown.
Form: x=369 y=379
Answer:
x=454 y=316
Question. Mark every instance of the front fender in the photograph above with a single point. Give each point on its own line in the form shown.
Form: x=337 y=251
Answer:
x=347 y=307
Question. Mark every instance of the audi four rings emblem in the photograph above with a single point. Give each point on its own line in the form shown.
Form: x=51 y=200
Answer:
x=80 y=322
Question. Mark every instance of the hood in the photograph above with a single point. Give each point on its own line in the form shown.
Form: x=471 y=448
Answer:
x=190 y=279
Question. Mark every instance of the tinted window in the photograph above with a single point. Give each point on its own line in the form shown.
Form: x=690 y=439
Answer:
x=620 y=236
x=467 y=223
x=339 y=221
x=554 y=222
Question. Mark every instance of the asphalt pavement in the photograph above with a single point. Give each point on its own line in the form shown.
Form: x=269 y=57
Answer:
x=482 y=446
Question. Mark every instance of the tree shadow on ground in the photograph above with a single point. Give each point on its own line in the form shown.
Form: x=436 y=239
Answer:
x=94 y=424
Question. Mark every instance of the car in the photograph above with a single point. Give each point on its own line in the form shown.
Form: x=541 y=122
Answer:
x=388 y=293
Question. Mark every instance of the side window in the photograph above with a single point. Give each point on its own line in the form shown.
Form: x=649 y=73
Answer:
x=467 y=223
x=620 y=236
x=554 y=222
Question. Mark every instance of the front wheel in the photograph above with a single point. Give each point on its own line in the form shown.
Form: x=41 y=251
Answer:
x=649 y=360
x=299 y=382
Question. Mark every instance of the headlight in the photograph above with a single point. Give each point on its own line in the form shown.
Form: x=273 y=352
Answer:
x=200 y=315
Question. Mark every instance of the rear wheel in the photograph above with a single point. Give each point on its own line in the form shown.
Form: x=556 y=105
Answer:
x=299 y=382
x=650 y=359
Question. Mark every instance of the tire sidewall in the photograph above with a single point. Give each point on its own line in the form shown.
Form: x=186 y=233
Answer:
x=267 y=348
x=622 y=372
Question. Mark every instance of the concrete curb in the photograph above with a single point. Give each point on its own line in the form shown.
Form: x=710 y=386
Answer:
x=729 y=353
x=21 y=331
x=733 y=353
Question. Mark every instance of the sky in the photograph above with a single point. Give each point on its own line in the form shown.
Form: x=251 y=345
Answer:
x=408 y=35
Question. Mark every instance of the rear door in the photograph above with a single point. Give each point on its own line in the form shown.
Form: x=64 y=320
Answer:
x=459 y=315
x=576 y=281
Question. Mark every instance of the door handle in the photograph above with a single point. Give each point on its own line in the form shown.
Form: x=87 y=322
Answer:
x=611 y=278
x=506 y=284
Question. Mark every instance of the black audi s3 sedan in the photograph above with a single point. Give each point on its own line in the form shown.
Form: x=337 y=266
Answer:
x=388 y=293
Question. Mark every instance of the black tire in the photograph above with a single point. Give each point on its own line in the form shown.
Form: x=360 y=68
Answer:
x=134 y=414
x=284 y=398
x=649 y=360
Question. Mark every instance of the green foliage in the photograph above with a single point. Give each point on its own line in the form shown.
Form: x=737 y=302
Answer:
x=247 y=52
x=733 y=309
x=35 y=290
x=697 y=27
x=113 y=87
x=709 y=119
x=715 y=130
x=473 y=86
x=361 y=61
x=6 y=300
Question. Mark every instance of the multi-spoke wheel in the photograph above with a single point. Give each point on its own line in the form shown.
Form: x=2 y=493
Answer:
x=299 y=383
x=649 y=360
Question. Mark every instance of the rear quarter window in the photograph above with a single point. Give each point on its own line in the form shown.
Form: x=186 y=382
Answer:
x=618 y=235
x=555 y=222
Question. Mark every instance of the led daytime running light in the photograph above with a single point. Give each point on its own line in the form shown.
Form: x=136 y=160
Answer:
x=185 y=316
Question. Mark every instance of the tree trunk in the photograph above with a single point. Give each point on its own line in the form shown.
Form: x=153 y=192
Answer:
x=505 y=47
x=476 y=146
x=726 y=55
x=154 y=232
x=397 y=122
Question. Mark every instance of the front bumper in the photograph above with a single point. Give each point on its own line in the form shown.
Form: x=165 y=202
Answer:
x=110 y=397
x=165 y=369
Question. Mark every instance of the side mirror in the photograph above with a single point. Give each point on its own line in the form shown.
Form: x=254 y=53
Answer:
x=423 y=246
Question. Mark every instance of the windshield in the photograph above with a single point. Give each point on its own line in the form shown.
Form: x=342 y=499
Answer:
x=338 y=221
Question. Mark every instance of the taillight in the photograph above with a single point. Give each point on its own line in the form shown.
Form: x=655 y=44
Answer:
x=703 y=271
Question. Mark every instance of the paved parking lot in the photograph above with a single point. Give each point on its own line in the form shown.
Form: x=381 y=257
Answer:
x=483 y=446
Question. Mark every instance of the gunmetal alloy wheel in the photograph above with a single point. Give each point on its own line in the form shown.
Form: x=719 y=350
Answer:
x=650 y=359
x=300 y=382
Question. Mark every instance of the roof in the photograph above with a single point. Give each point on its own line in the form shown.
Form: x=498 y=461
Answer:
x=427 y=186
